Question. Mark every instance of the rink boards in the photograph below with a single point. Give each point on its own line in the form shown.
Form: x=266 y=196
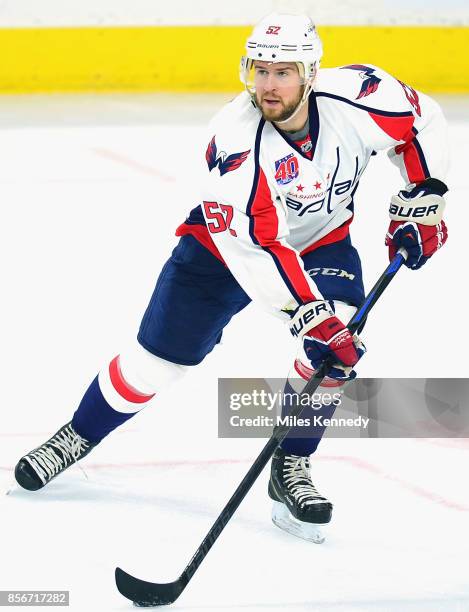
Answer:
x=205 y=58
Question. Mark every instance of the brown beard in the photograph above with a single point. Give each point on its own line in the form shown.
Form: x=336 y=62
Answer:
x=284 y=113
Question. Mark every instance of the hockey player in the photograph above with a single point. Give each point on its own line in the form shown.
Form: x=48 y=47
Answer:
x=283 y=163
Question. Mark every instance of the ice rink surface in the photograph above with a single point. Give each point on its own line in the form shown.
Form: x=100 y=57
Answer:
x=92 y=189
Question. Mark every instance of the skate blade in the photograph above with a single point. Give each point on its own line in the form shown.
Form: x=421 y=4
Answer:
x=282 y=518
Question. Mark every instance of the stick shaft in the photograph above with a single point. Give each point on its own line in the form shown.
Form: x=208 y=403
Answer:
x=281 y=431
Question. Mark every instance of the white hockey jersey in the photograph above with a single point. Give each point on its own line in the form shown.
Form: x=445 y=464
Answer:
x=265 y=202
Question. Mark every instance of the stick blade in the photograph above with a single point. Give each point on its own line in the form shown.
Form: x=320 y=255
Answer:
x=145 y=594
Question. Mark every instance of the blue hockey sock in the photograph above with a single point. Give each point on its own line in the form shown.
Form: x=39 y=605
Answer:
x=303 y=440
x=94 y=418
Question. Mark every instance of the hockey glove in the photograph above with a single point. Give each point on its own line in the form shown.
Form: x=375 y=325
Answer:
x=324 y=336
x=416 y=222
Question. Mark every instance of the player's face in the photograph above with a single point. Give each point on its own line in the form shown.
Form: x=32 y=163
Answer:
x=279 y=89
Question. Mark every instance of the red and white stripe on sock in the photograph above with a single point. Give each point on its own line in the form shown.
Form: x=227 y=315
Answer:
x=119 y=393
x=133 y=378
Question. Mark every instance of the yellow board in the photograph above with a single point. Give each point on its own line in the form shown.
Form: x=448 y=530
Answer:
x=206 y=58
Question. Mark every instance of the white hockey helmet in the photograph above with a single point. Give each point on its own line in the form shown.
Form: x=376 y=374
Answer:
x=283 y=38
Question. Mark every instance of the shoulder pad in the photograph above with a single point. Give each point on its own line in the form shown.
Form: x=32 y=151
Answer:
x=231 y=137
x=237 y=120
x=364 y=86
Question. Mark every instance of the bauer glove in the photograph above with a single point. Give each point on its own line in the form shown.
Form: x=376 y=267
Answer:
x=416 y=222
x=324 y=336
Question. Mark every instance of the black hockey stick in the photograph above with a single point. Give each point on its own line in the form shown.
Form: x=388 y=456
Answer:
x=144 y=593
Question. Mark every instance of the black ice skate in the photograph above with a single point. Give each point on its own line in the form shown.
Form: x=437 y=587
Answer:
x=298 y=508
x=38 y=467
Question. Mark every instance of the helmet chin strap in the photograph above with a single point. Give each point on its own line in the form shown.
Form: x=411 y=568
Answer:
x=307 y=91
x=294 y=113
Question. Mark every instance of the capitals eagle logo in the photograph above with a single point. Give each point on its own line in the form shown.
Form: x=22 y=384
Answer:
x=226 y=163
x=370 y=80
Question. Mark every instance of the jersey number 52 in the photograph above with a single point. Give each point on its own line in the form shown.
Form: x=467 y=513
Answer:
x=219 y=217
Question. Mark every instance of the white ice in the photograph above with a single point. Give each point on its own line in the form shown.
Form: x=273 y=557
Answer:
x=92 y=189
